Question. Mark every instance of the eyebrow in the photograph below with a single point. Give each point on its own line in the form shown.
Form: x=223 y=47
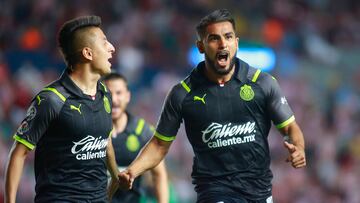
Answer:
x=212 y=35
x=215 y=35
x=229 y=33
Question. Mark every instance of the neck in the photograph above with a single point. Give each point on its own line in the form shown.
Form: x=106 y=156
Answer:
x=85 y=79
x=120 y=123
x=218 y=78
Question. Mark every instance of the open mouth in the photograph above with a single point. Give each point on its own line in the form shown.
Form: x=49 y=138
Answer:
x=222 y=57
x=116 y=109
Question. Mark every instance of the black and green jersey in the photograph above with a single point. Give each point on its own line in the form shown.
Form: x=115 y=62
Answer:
x=127 y=145
x=227 y=126
x=69 y=132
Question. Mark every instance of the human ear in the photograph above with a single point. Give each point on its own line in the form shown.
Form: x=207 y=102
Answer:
x=87 y=53
x=200 y=46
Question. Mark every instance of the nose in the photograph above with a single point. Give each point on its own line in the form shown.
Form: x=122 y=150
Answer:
x=222 y=43
x=111 y=48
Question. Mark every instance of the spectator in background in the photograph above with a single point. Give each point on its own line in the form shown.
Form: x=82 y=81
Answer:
x=227 y=108
x=129 y=136
x=69 y=123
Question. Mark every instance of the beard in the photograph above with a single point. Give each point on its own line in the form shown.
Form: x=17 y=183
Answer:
x=220 y=71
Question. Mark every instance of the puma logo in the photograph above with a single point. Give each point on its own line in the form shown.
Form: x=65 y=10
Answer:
x=202 y=99
x=72 y=107
x=39 y=100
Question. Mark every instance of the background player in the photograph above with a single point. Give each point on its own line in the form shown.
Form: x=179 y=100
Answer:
x=129 y=136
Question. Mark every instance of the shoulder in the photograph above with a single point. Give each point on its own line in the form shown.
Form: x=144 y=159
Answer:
x=263 y=79
x=54 y=95
x=179 y=91
x=139 y=125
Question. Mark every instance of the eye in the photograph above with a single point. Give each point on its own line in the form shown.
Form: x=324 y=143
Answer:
x=230 y=36
x=213 y=38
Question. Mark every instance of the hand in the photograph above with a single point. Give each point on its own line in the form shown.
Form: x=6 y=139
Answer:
x=125 y=180
x=296 y=155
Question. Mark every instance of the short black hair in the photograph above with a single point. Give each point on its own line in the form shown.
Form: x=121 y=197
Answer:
x=115 y=76
x=66 y=36
x=216 y=16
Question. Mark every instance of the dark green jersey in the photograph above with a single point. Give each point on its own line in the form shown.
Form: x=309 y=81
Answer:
x=227 y=126
x=127 y=145
x=70 y=131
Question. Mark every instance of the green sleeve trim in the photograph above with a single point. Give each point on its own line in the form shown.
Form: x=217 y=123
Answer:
x=185 y=86
x=140 y=126
x=285 y=123
x=104 y=86
x=24 y=142
x=164 y=138
x=152 y=128
x=256 y=75
x=111 y=132
x=56 y=92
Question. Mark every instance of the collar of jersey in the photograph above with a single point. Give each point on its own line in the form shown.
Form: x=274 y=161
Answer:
x=72 y=87
x=241 y=71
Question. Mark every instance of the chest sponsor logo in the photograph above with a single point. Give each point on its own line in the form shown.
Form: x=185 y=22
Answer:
x=89 y=148
x=222 y=135
x=246 y=93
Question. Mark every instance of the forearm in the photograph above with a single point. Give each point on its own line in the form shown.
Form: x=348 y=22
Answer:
x=160 y=181
x=111 y=161
x=13 y=173
x=149 y=157
x=296 y=136
x=295 y=146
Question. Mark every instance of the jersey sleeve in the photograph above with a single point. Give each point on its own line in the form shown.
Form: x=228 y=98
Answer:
x=278 y=107
x=43 y=109
x=171 y=117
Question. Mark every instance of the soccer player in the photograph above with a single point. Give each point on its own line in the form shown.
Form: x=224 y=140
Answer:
x=130 y=135
x=69 y=123
x=227 y=108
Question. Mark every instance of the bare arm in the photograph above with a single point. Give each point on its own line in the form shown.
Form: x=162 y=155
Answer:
x=111 y=161
x=296 y=145
x=150 y=156
x=159 y=176
x=112 y=168
x=14 y=170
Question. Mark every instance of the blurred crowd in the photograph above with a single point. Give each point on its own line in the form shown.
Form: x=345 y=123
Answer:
x=317 y=46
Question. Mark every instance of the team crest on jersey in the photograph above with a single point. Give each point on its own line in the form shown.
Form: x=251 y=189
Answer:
x=246 y=93
x=132 y=143
x=107 y=105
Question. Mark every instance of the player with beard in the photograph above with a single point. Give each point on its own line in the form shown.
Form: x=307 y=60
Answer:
x=129 y=136
x=227 y=108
